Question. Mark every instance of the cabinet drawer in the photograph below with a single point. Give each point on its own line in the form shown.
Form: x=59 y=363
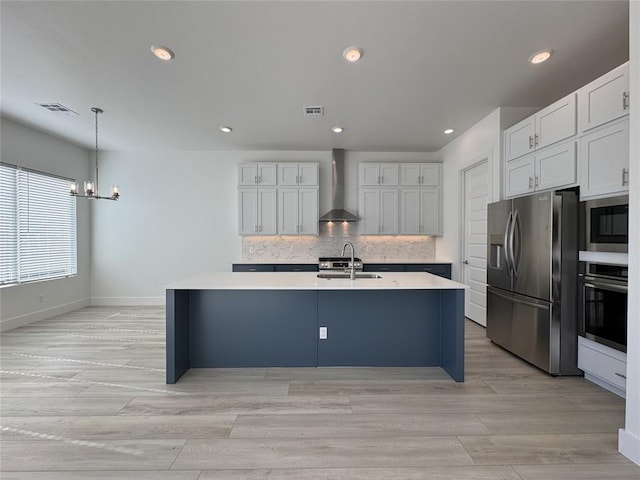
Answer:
x=435 y=268
x=251 y=267
x=384 y=267
x=601 y=365
x=297 y=267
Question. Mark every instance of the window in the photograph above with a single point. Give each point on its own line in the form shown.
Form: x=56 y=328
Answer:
x=37 y=226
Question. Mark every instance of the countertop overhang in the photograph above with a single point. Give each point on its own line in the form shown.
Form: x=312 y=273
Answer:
x=310 y=281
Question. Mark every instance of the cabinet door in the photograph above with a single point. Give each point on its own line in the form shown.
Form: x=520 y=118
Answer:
x=604 y=161
x=248 y=174
x=604 y=99
x=430 y=175
x=288 y=174
x=410 y=220
x=519 y=175
x=308 y=211
x=430 y=211
x=410 y=174
x=369 y=211
x=556 y=122
x=389 y=174
x=518 y=140
x=267 y=212
x=308 y=174
x=288 y=214
x=267 y=174
x=389 y=211
x=369 y=174
x=248 y=211
x=556 y=166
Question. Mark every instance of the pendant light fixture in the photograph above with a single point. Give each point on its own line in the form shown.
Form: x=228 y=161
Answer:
x=91 y=186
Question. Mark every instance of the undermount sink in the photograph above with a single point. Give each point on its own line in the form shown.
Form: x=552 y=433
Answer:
x=329 y=276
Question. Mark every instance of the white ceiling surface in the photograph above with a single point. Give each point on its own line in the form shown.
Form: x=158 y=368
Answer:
x=427 y=65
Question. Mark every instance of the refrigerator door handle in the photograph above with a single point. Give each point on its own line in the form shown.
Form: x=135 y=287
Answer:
x=505 y=242
x=515 y=224
x=511 y=298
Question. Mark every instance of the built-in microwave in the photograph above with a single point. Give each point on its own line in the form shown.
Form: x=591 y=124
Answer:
x=606 y=224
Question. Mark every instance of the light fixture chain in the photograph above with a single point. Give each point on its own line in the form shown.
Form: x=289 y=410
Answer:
x=97 y=110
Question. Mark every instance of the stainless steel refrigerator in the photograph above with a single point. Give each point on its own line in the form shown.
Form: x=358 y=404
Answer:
x=532 y=273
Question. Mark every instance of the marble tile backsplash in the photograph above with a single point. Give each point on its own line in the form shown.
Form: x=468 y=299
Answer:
x=329 y=244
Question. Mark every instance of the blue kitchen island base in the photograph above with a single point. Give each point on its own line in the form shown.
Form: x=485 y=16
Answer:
x=214 y=328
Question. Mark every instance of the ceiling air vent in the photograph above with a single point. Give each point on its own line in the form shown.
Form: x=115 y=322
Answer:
x=313 y=111
x=57 y=108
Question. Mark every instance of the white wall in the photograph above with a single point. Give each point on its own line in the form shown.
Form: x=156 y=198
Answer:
x=629 y=438
x=21 y=304
x=177 y=216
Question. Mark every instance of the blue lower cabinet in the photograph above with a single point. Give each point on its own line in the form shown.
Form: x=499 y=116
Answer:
x=384 y=267
x=251 y=267
x=253 y=328
x=379 y=328
x=441 y=269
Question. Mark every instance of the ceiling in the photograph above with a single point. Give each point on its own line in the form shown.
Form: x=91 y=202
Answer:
x=427 y=66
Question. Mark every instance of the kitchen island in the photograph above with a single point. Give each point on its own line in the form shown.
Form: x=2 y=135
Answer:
x=296 y=319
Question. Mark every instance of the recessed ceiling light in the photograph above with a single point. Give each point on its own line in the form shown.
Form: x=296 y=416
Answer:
x=163 y=53
x=337 y=129
x=352 y=54
x=540 y=56
x=225 y=129
x=449 y=131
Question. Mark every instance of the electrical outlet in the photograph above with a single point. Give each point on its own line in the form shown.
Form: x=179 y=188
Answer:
x=323 y=333
x=251 y=251
x=292 y=248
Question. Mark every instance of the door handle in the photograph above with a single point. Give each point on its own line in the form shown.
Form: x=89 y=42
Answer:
x=466 y=262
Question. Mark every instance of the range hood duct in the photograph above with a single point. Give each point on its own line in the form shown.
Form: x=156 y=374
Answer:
x=337 y=212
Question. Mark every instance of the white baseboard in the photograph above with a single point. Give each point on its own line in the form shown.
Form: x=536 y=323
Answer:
x=629 y=445
x=127 y=301
x=27 y=318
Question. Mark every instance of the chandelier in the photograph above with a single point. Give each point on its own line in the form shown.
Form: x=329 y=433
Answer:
x=90 y=186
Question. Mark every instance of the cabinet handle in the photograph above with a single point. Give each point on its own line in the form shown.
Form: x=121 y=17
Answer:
x=259 y=178
x=421 y=180
x=530 y=141
x=253 y=269
x=536 y=181
x=625 y=177
x=620 y=375
x=255 y=228
x=530 y=183
x=259 y=228
x=537 y=139
x=625 y=100
x=298 y=179
x=255 y=179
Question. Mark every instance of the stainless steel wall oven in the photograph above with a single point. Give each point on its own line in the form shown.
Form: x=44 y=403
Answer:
x=604 y=304
x=606 y=223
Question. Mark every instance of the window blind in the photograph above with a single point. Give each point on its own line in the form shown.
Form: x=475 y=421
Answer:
x=44 y=215
x=8 y=225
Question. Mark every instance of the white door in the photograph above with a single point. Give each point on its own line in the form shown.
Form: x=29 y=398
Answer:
x=369 y=211
x=430 y=211
x=389 y=211
x=410 y=211
x=308 y=174
x=248 y=211
x=267 y=213
x=308 y=211
x=288 y=214
x=474 y=268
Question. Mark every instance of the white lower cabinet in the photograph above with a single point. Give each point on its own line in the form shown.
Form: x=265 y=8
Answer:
x=552 y=167
x=603 y=366
x=420 y=211
x=257 y=211
x=378 y=209
x=298 y=211
x=604 y=161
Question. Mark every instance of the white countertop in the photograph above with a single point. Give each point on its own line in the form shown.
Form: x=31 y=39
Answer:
x=314 y=261
x=309 y=281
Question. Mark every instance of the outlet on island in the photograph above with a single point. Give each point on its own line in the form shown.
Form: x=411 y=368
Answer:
x=323 y=333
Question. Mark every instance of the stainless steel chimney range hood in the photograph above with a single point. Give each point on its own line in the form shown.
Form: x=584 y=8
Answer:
x=337 y=212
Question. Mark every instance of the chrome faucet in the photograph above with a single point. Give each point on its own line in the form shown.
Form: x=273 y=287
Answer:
x=352 y=275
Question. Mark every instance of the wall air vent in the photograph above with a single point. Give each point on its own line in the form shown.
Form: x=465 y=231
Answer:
x=57 y=108
x=313 y=111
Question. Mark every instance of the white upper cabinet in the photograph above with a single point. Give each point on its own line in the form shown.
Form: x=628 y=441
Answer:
x=257 y=211
x=378 y=209
x=550 y=125
x=378 y=174
x=420 y=174
x=604 y=99
x=420 y=211
x=549 y=168
x=298 y=211
x=604 y=161
x=298 y=174
x=262 y=174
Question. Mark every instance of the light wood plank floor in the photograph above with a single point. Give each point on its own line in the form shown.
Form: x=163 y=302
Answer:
x=83 y=397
